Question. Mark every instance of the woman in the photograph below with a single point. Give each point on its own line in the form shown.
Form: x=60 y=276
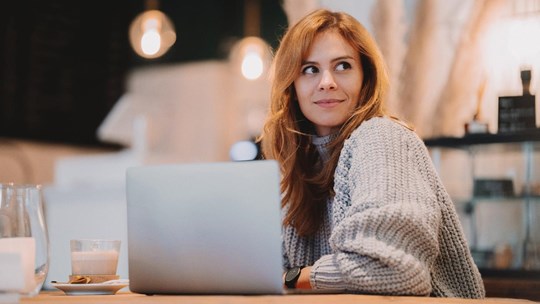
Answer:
x=364 y=209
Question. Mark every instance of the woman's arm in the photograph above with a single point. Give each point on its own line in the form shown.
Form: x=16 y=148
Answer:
x=387 y=241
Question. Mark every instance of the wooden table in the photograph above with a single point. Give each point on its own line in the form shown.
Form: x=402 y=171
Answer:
x=50 y=297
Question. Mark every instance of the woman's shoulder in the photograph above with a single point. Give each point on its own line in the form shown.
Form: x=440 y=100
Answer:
x=383 y=128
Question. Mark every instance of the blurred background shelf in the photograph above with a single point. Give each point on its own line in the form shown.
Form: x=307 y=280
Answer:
x=502 y=187
x=532 y=136
x=510 y=283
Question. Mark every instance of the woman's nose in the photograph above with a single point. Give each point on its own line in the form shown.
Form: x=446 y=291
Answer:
x=327 y=81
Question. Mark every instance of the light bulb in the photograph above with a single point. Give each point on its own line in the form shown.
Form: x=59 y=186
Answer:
x=252 y=66
x=251 y=55
x=151 y=34
x=150 y=42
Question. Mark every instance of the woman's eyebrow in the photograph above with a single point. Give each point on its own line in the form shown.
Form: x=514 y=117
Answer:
x=343 y=58
x=304 y=62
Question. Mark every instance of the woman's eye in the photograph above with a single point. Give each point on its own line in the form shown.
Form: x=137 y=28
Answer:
x=310 y=70
x=343 y=66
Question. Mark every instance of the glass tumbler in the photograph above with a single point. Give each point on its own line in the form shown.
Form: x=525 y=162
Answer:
x=23 y=230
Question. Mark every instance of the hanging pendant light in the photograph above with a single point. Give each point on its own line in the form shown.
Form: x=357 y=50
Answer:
x=151 y=33
x=252 y=52
x=254 y=56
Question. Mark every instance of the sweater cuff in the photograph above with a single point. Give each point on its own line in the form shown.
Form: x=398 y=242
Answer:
x=325 y=274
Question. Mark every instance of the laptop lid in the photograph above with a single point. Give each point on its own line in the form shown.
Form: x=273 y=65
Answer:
x=208 y=228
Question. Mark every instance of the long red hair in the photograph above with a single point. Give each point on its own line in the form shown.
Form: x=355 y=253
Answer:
x=286 y=135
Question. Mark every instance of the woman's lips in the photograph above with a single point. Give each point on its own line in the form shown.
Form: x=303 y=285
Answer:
x=328 y=103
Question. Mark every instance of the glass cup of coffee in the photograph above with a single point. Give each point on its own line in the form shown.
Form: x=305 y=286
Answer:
x=94 y=260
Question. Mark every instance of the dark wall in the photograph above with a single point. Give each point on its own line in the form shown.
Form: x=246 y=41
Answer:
x=63 y=63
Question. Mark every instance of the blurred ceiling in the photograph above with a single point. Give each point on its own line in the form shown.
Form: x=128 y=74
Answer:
x=63 y=63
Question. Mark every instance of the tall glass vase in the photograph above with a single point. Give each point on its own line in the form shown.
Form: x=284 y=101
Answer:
x=23 y=231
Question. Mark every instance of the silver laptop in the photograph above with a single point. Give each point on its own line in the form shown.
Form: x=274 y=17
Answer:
x=208 y=228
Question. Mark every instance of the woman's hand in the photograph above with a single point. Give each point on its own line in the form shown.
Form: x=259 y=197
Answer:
x=303 y=281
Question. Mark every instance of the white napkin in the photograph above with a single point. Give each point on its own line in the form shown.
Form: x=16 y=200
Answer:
x=17 y=260
x=11 y=277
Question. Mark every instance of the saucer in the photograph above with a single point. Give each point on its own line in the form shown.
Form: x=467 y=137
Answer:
x=90 y=289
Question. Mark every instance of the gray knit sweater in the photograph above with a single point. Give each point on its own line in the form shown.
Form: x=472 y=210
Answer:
x=391 y=227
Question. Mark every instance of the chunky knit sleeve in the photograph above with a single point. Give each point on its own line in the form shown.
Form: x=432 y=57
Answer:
x=385 y=238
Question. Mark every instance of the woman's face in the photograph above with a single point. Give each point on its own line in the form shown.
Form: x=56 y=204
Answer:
x=328 y=87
